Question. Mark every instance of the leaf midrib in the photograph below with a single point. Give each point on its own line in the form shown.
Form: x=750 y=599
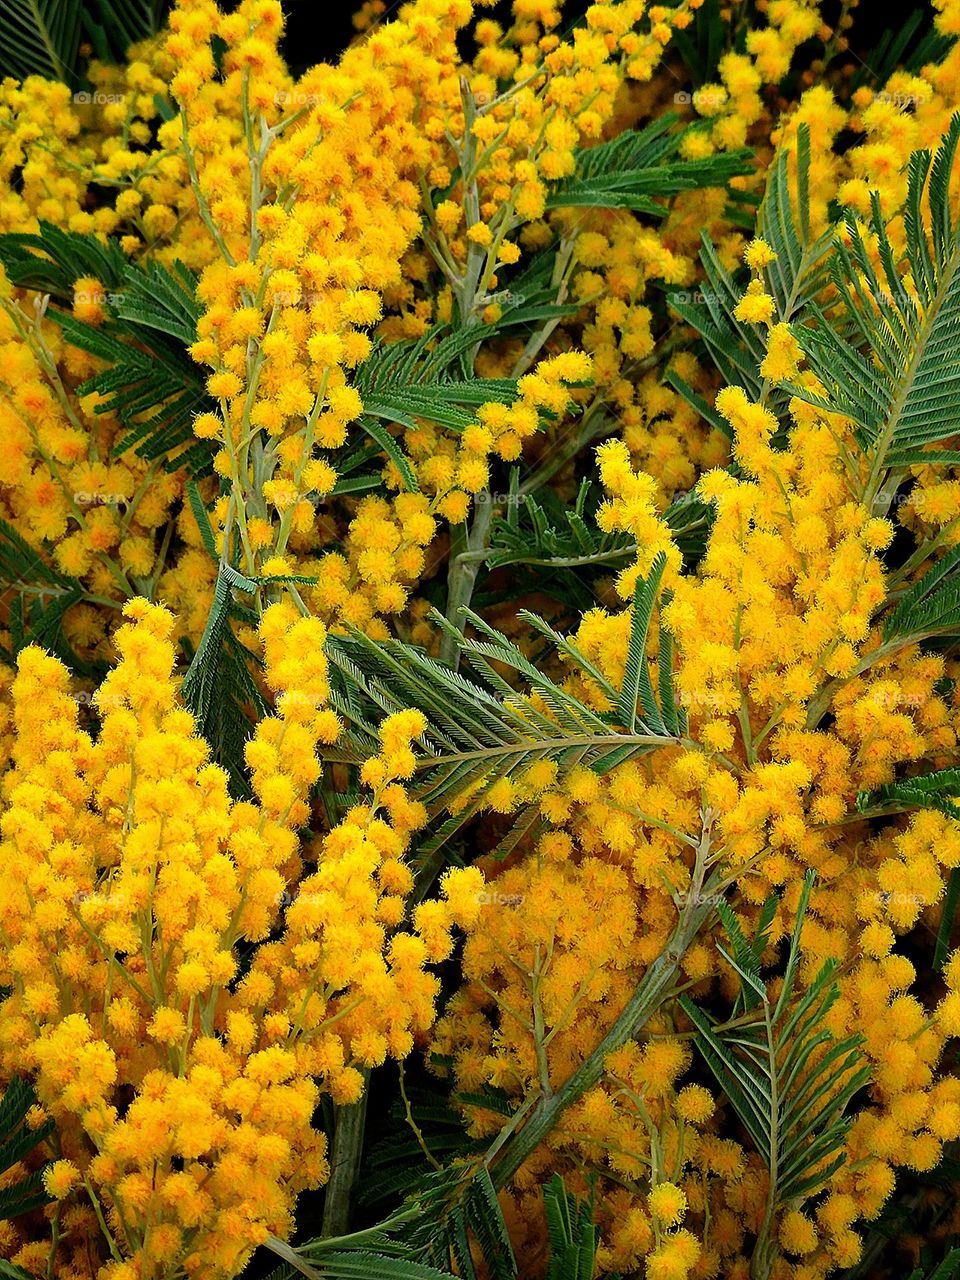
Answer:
x=549 y=745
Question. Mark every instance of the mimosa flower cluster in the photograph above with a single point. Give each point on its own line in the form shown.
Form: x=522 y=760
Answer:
x=179 y=1039
x=261 y=841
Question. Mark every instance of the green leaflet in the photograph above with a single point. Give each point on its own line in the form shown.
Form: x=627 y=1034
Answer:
x=908 y=47
x=543 y=532
x=394 y=1167
x=930 y=791
x=114 y=25
x=52 y=260
x=637 y=690
x=42 y=37
x=423 y=379
x=572 y=1234
x=450 y=1208
x=218 y=686
x=947 y=1269
x=930 y=606
x=938 y=790
x=351 y=1258
x=703 y=43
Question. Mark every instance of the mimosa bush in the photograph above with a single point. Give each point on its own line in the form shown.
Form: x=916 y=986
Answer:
x=479 y=537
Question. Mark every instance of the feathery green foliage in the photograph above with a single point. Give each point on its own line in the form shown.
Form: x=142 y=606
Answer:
x=42 y=37
x=38 y=596
x=17 y=1140
x=453 y=1206
x=481 y=729
x=930 y=606
x=948 y=1268
x=890 y=362
x=543 y=532
x=149 y=380
x=786 y=1077
x=364 y=1255
x=797 y=275
x=638 y=170
x=927 y=791
x=573 y=1236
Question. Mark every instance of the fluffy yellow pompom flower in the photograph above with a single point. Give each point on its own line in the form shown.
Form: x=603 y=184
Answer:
x=667 y=1203
x=60 y=1178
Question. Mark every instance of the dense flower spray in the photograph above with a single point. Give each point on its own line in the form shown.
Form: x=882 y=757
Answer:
x=181 y=989
x=405 y=344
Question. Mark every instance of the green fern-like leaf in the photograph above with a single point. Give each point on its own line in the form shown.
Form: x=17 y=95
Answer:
x=480 y=728
x=891 y=361
x=368 y=1255
x=637 y=691
x=37 y=596
x=702 y=44
x=40 y=37
x=786 y=1077
x=909 y=46
x=113 y=25
x=930 y=606
x=394 y=1166
x=558 y=550
x=219 y=688
x=422 y=379
x=451 y=1208
x=546 y=533
x=798 y=275
x=929 y=791
x=52 y=260
x=17 y=1141
x=149 y=380
x=571 y=1232
x=628 y=172
x=948 y=1268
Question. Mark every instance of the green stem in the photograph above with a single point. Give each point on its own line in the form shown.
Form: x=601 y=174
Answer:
x=345 y=1163
x=652 y=990
x=464 y=566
